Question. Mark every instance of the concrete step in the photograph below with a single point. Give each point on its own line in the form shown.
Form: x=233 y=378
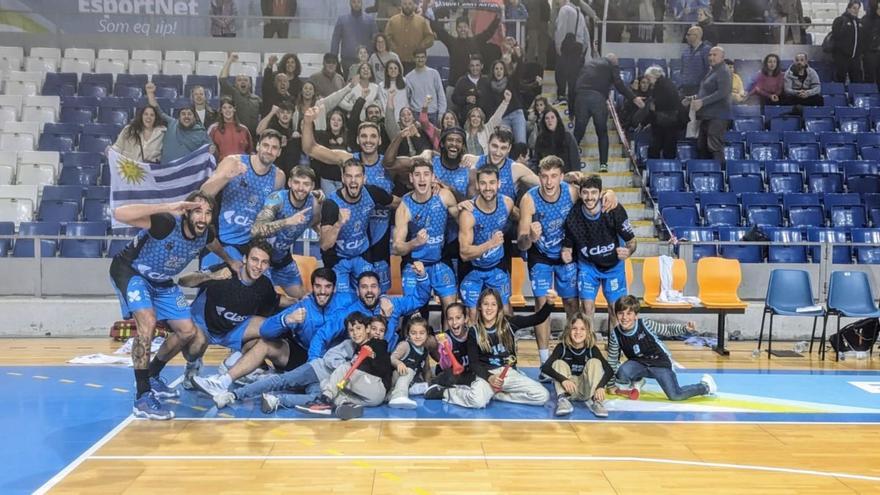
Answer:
x=628 y=195
x=638 y=212
x=642 y=228
x=591 y=165
x=646 y=250
x=617 y=179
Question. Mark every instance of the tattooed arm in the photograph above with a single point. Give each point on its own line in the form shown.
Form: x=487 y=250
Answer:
x=265 y=224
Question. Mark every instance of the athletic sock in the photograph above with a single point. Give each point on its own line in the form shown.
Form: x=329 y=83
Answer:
x=543 y=355
x=156 y=366
x=225 y=380
x=142 y=379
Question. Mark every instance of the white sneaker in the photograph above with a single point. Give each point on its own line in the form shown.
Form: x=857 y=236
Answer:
x=639 y=384
x=209 y=384
x=223 y=399
x=269 y=403
x=229 y=362
x=710 y=384
x=418 y=388
x=563 y=406
x=402 y=403
x=597 y=408
x=192 y=370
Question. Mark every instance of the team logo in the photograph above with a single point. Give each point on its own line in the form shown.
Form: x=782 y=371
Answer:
x=230 y=315
x=134 y=296
x=181 y=302
x=253 y=200
x=169 y=246
x=597 y=250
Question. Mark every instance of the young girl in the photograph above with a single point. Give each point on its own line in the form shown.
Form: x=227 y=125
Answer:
x=502 y=82
x=367 y=386
x=491 y=346
x=578 y=368
x=647 y=357
x=363 y=58
x=447 y=120
x=456 y=337
x=228 y=134
x=410 y=360
x=536 y=110
x=395 y=89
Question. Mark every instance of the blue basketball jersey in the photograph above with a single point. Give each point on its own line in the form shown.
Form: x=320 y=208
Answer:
x=241 y=200
x=431 y=216
x=158 y=260
x=282 y=241
x=505 y=176
x=352 y=240
x=376 y=175
x=456 y=179
x=485 y=226
x=551 y=215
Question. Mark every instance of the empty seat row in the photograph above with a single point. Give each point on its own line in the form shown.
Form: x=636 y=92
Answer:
x=128 y=85
x=69 y=246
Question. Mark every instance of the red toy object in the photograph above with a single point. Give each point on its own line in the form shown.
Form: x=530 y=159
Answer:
x=364 y=353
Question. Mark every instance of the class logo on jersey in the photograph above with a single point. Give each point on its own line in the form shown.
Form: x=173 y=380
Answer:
x=597 y=250
x=231 y=217
x=230 y=315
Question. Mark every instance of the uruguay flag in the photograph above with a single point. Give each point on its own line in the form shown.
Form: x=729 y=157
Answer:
x=132 y=181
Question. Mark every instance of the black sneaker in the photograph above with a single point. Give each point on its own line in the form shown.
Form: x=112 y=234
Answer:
x=435 y=392
x=321 y=405
x=347 y=410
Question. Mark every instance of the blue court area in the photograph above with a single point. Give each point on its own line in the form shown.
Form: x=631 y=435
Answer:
x=52 y=414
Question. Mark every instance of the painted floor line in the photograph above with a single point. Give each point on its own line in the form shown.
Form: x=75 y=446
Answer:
x=550 y=420
x=499 y=458
x=82 y=457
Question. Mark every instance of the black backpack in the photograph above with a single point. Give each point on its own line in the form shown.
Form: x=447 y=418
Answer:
x=859 y=336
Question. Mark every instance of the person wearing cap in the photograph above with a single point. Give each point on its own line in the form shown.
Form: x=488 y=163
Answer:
x=182 y=135
x=328 y=80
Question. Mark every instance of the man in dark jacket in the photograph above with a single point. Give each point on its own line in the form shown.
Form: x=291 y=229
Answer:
x=469 y=87
x=277 y=8
x=537 y=37
x=592 y=88
x=712 y=106
x=848 y=45
x=462 y=46
x=871 y=38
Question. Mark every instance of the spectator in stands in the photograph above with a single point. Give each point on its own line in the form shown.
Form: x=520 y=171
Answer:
x=514 y=10
x=737 y=92
x=425 y=82
x=351 y=31
x=537 y=39
x=247 y=104
x=707 y=25
x=384 y=9
x=408 y=33
x=478 y=131
x=500 y=84
x=230 y=137
x=593 y=85
x=791 y=12
x=533 y=124
x=182 y=135
x=554 y=139
x=396 y=91
x=223 y=14
x=871 y=37
x=847 y=45
x=448 y=120
x=712 y=107
x=469 y=87
x=665 y=114
x=142 y=138
x=328 y=80
x=630 y=113
x=481 y=18
x=291 y=67
x=463 y=46
x=280 y=118
x=335 y=138
x=277 y=8
x=205 y=115
x=770 y=81
x=801 y=85
x=755 y=12
x=365 y=88
x=689 y=11
x=363 y=57
x=572 y=41
x=278 y=93
x=381 y=56
x=694 y=62
x=414 y=140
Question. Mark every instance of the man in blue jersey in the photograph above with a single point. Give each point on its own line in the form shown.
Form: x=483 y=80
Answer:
x=369 y=138
x=511 y=174
x=286 y=214
x=420 y=232
x=481 y=239
x=594 y=235
x=142 y=274
x=371 y=302
x=242 y=183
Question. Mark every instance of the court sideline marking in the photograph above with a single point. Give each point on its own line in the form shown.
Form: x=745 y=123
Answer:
x=548 y=420
x=724 y=465
x=82 y=457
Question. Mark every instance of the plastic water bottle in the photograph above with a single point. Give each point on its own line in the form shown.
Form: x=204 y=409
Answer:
x=860 y=355
x=756 y=353
x=801 y=347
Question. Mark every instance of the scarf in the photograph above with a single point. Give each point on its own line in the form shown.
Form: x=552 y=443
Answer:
x=499 y=85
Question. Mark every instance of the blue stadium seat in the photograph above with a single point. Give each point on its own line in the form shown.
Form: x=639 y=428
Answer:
x=870 y=153
x=720 y=208
x=97 y=79
x=773 y=111
x=868 y=141
x=851 y=120
x=54 y=142
x=823 y=177
x=207 y=82
x=71 y=130
x=704 y=176
x=95 y=210
x=663 y=165
x=97 y=192
x=745 y=253
x=666 y=199
x=125 y=234
x=838 y=145
x=786 y=123
x=60 y=84
x=763 y=215
x=686 y=150
x=786 y=250
x=85 y=176
x=833 y=88
x=58 y=211
x=760 y=199
x=94 y=143
x=872 y=206
x=77 y=114
x=173 y=82
x=862 y=176
x=784 y=177
x=862 y=88
x=746 y=111
x=746 y=124
x=83 y=248
x=865 y=101
x=841 y=254
x=764 y=145
x=105 y=175
x=63 y=193
x=6 y=228
x=848 y=216
x=819 y=124
x=24 y=248
x=116 y=110
x=82 y=159
x=135 y=81
x=734 y=145
x=803 y=210
x=680 y=216
x=666 y=181
x=801 y=145
x=835 y=101
x=744 y=176
x=866 y=254
x=91 y=89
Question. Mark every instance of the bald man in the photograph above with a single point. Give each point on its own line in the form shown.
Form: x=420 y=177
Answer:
x=712 y=106
x=694 y=61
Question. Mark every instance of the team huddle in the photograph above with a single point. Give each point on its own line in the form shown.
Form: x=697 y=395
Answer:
x=454 y=222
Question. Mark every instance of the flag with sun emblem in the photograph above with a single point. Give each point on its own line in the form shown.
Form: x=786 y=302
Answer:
x=132 y=181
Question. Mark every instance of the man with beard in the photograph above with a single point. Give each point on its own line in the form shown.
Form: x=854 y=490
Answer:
x=172 y=236
x=419 y=234
x=481 y=240
x=371 y=302
x=243 y=182
x=286 y=214
x=205 y=115
x=372 y=113
x=280 y=94
x=183 y=135
x=280 y=119
x=408 y=33
x=510 y=173
x=378 y=178
x=247 y=104
x=595 y=236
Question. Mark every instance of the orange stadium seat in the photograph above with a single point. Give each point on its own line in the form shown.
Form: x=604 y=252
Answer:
x=396 y=277
x=517 y=279
x=651 y=281
x=307 y=265
x=718 y=280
